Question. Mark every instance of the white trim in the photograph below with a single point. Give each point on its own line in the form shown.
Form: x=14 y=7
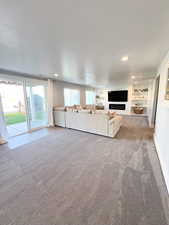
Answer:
x=161 y=161
x=22 y=79
x=3 y=130
x=50 y=103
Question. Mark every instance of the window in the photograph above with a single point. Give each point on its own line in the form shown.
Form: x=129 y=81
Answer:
x=71 y=97
x=90 y=97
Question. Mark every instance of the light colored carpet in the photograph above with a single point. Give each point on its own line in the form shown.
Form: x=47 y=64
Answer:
x=75 y=178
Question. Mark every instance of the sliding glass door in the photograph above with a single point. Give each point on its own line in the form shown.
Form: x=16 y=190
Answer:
x=36 y=105
x=13 y=107
x=23 y=104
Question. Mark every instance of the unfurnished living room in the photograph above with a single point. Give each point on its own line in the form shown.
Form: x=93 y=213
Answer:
x=84 y=112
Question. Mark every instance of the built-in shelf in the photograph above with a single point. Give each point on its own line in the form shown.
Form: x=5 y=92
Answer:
x=140 y=115
x=144 y=106
x=139 y=97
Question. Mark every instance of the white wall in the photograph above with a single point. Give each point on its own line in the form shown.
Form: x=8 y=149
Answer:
x=59 y=92
x=118 y=85
x=161 y=136
x=150 y=102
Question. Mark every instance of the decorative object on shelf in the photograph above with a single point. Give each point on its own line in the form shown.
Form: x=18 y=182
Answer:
x=99 y=107
x=138 y=105
x=138 y=110
x=167 y=87
x=140 y=91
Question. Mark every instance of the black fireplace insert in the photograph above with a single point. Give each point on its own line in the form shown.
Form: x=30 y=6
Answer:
x=117 y=106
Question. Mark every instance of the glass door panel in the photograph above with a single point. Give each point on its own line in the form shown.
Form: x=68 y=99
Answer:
x=13 y=106
x=36 y=104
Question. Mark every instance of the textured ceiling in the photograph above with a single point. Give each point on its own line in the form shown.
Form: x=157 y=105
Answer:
x=83 y=41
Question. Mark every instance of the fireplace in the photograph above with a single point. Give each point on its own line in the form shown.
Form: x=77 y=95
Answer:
x=117 y=106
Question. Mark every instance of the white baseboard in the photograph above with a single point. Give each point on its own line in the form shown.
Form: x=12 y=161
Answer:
x=161 y=162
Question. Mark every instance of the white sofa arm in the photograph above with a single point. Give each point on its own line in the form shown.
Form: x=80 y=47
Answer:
x=59 y=118
x=114 y=126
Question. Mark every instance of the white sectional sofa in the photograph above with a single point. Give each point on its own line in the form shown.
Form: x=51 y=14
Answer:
x=59 y=118
x=96 y=123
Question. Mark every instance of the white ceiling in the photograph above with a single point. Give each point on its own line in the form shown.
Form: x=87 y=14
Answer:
x=83 y=41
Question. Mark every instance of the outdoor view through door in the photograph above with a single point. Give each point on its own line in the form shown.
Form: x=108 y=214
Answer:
x=13 y=103
x=23 y=105
x=37 y=108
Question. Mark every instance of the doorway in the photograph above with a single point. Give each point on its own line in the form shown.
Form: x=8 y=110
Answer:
x=36 y=106
x=156 y=93
x=24 y=106
x=13 y=104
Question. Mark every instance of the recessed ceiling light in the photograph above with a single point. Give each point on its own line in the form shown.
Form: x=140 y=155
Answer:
x=56 y=75
x=133 y=77
x=124 y=58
